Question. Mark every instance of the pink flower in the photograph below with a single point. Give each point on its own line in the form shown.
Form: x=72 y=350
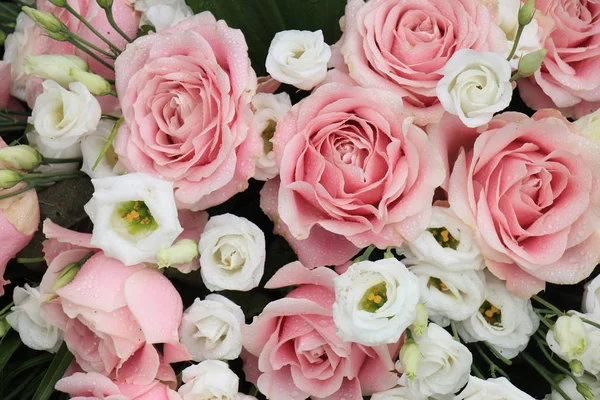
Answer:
x=294 y=352
x=354 y=171
x=94 y=386
x=570 y=76
x=404 y=45
x=530 y=187
x=5 y=80
x=185 y=94
x=19 y=220
x=112 y=315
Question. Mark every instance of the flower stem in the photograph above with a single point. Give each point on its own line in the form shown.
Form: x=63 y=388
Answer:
x=545 y=374
x=5 y=309
x=113 y=23
x=454 y=331
x=516 y=42
x=366 y=254
x=30 y=260
x=543 y=319
x=542 y=345
x=109 y=142
x=558 y=312
x=48 y=160
x=497 y=354
x=75 y=43
x=492 y=365
x=41 y=176
x=112 y=46
x=18 y=192
x=476 y=371
x=92 y=46
x=111 y=117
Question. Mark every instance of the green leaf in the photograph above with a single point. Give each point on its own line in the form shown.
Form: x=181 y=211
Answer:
x=260 y=20
x=55 y=371
x=9 y=344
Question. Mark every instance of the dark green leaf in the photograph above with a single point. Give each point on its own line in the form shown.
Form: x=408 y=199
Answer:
x=55 y=371
x=9 y=344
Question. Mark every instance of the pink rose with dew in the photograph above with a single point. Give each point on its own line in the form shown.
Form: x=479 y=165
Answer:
x=530 y=188
x=293 y=351
x=112 y=315
x=185 y=94
x=404 y=45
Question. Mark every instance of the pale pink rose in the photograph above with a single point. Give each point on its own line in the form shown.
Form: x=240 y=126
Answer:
x=570 y=75
x=530 y=187
x=112 y=315
x=185 y=94
x=94 y=386
x=292 y=350
x=404 y=45
x=354 y=171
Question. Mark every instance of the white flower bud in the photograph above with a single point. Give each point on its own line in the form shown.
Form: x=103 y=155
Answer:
x=20 y=157
x=420 y=323
x=55 y=67
x=8 y=178
x=570 y=388
x=181 y=252
x=571 y=336
x=410 y=356
x=97 y=85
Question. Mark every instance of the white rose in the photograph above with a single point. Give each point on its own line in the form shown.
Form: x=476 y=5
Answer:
x=209 y=380
x=569 y=386
x=26 y=319
x=73 y=151
x=448 y=295
x=134 y=215
x=268 y=110
x=18 y=45
x=475 y=86
x=444 y=367
x=92 y=146
x=232 y=253
x=447 y=243
x=375 y=301
x=504 y=320
x=162 y=14
x=589 y=126
x=589 y=356
x=491 y=389
x=212 y=329
x=298 y=58
x=63 y=117
x=396 y=393
x=591 y=296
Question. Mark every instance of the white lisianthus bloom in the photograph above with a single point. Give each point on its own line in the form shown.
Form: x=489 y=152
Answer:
x=509 y=23
x=491 y=389
x=17 y=46
x=589 y=126
x=232 y=253
x=591 y=297
x=447 y=243
x=444 y=367
x=569 y=386
x=56 y=67
x=92 y=146
x=448 y=295
x=298 y=58
x=396 y=393
x=210 y=379
x=375 y=301
x=162 y=14
x=73 y=151
x=268 y=110
x=503 y=320
x=212 y=329
x=569 y=342
x=63 y=117
x=475 y=86
x=25 y=318
x=134 y=215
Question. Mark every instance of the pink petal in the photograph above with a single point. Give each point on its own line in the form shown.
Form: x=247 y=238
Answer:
x=295 y=273
x=141 y=368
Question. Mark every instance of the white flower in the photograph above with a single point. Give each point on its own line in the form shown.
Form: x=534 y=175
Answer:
x=183 y=251
x=18 y=45
x=232 y=253
x=491 y=389
x=475 y=86
x=209 y=380
x=503 y=320
x=56 y=67
x=63 y=117
x=73 y=151
x=447 y=243
x=212 y=329
x=449 y=295
x=134 y=215
x=569 y=386
x=570 y=334
x=268 y=110
x=591 y=296
x=589 y=126
x=163 y=14
x=589 y=356
x=298 y=58
x=509 y=16
x=375 y=301
x=396 y=393
x=92 y=146
x=444 y=367
x=25 y=318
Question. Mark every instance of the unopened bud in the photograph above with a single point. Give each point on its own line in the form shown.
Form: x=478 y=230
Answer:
x=4 y=327
x=54 y=66
x=526 y=12
x=8 y=178
x=585 y=390
x=20 y=157
x=66 y=276
x=105 y=4
x=97 y=85
x=58 y=3
x=531 y=62
x=420 y=323
x=576 y=367
x=571 y=335
x=410 y=357
x=49 y=23
x=181 y=252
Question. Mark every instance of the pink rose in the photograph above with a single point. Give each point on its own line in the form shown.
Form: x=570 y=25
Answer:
x=5 y=80
x=294 y=352
x=185 y=94
x=112 y=315
x=530 y=187
x=354 y=171
x=94 y=386
x=570 y=76
x=404 y=45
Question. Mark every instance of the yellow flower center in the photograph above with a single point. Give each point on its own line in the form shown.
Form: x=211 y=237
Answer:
x=491 y=313
x=374 y=298
x=444 y=237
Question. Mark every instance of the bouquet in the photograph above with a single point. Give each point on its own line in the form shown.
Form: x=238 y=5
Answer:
x=268 y=199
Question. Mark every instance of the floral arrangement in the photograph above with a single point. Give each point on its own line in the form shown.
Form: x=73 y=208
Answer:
x=334 y=200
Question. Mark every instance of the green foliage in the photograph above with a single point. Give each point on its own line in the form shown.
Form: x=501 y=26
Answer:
x=260 y=20
x=59 y=365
